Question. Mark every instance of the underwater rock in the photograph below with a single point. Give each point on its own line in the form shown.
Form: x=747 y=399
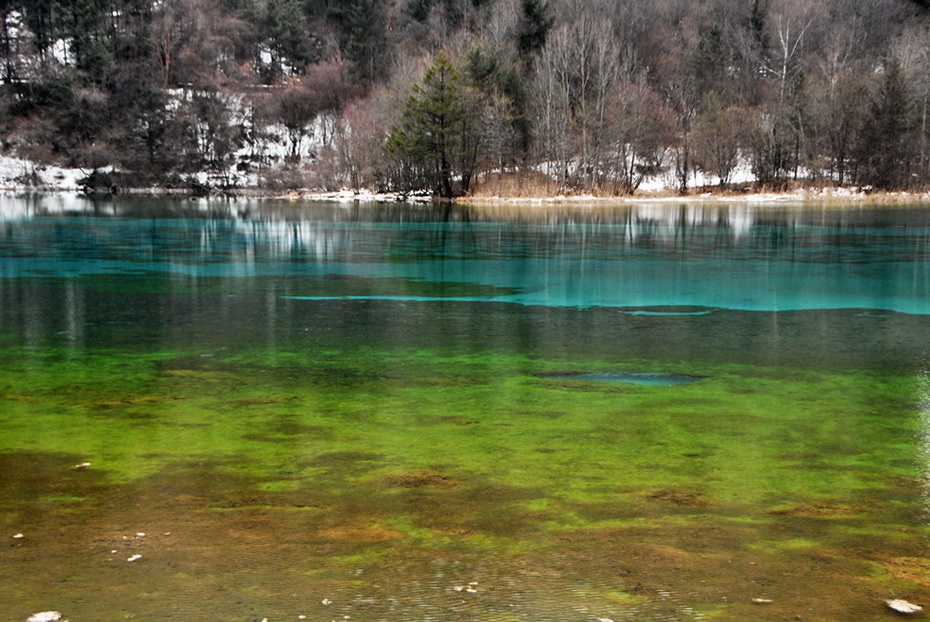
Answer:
x=134 y=558
x=471 y=588
x=900 y=605
x=45 y=616
x=762 y=601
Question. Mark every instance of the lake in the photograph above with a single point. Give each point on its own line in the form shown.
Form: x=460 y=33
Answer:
x=283 y=410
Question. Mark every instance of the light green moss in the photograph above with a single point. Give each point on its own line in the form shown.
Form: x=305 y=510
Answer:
x=480 y=454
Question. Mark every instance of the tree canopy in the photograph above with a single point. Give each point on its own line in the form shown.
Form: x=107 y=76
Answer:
x=427 y=139
x=441 y=95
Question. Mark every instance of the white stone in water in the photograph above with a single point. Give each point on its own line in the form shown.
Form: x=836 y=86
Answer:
x=902 y=606
x=134 y=558
x=18 y=536
x=45 y=616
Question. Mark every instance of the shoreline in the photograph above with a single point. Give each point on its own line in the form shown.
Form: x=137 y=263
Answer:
x=839 y=196
x=802 y=196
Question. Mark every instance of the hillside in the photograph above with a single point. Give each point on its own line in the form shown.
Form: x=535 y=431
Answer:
x=410 y=96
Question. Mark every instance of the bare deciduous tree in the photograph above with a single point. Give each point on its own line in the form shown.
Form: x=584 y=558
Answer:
x=717 y=139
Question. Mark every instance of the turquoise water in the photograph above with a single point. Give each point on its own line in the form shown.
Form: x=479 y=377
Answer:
x=404 y=412
x=656 y=379
x=737 y=258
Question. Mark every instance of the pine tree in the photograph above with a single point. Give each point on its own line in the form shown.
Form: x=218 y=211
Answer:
x=756 y=24
x=40 y=17
x=885 y=148
x=366 y=47
x=708 y=62
x=534 y=26
x=286 y=31
x=419 y=9
x=427 y=139
x=492 y=78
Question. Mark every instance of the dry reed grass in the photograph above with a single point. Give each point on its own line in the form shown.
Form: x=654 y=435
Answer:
x=534 y=187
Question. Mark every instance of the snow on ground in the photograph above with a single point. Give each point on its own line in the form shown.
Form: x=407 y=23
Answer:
x=361 y=195
x=666 y=180
x=19 y=174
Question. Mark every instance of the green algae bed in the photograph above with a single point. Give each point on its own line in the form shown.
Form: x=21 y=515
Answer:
x=418 y=483
x=371 y=414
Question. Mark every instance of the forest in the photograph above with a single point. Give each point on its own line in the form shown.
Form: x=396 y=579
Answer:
x=450 y=96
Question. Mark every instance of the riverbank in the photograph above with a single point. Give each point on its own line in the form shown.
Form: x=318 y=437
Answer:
x=839 y=196
x=662 y=189
x=19 y=176
x=820 y=196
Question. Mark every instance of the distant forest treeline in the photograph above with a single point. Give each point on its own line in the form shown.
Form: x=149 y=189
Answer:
x=407 y=95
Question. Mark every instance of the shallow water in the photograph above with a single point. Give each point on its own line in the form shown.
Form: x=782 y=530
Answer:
x=647 y=378
x=399 y=413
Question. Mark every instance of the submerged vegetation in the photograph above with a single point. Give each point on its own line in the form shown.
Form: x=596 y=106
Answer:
x=461 y=96
x=277 y=410
x=319 y=472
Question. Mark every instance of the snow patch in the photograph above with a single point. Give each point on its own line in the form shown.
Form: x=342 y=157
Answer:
x=367 y=196
x=17 y=174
